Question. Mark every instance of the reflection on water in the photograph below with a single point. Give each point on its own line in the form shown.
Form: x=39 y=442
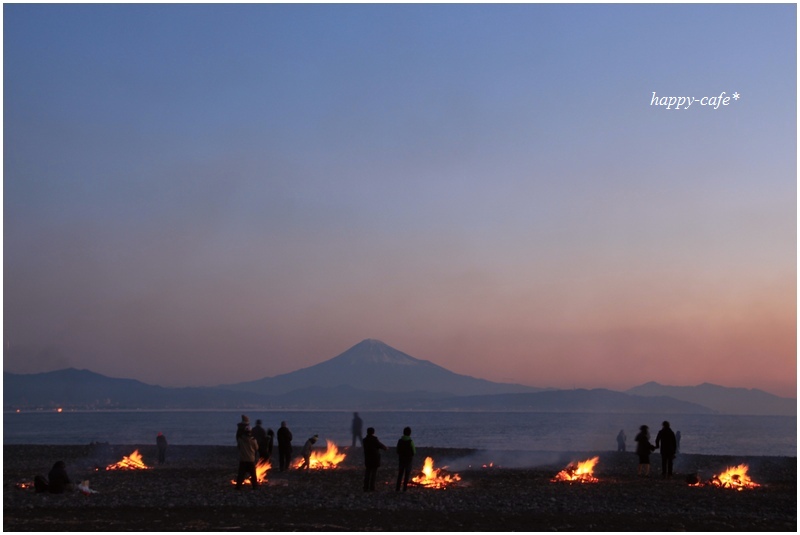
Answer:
x=705 y=434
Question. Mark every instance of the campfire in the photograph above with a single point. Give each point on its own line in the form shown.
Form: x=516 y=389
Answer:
x=323 y=460
x=733 y=478
x=434 y=478
x=132 y=462
x=261 y=472
x=580 y=472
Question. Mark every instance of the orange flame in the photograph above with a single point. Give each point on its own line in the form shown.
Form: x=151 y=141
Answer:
x=734 y=478
x=324 y=459
x=581 y=472
x=433 y=477
x=261 y=471
x=132 y=462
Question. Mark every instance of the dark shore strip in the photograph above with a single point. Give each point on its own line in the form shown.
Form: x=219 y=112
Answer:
x=193 y=491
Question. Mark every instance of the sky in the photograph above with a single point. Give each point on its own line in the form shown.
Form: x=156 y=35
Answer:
x=199 y=194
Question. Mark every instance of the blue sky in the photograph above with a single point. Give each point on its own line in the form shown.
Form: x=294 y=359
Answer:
x=196 y=194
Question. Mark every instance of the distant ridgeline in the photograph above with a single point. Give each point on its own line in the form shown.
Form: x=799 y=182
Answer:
x=396 y=382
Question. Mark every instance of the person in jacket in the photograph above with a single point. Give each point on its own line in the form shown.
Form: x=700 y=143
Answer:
x=668 y=445
x=405 y=453
x=308 y=447
x=372 y=458
x=260 y=434
x=643 y=450
x=248 y=448
x=284 y=447
x=242 y=425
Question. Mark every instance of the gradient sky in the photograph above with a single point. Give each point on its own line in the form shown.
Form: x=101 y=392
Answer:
x=206 y=194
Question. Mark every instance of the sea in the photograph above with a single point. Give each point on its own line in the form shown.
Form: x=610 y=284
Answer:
x=710 y=434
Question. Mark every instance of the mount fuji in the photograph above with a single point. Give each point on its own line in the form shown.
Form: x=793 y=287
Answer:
x=372 y=365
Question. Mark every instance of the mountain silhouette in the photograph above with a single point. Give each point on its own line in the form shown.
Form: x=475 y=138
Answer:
x=374 y=366
x=744 y=401
x=373 y=374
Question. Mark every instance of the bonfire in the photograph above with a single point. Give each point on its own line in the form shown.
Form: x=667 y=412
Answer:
x=434 y=477
x=734 y=478
x=323 y=460
x=580 y=472
x=132 y=462
x=261 y=471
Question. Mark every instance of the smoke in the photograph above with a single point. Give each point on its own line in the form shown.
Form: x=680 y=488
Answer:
x=505 y=459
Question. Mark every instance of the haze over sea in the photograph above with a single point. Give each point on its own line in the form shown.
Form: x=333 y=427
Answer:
x=510 y=431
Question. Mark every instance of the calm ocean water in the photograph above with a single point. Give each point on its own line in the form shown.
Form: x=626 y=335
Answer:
x=704 y=434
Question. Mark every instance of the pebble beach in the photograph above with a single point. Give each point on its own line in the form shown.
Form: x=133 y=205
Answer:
x=497 y=491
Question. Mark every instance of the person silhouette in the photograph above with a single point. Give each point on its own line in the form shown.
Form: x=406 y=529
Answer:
x=405 y=453
x=161 y=442
x=372 y=458
x=621 y=438
x=284 y=447
x=355 y=428
x=643 y=450
x=668 y=444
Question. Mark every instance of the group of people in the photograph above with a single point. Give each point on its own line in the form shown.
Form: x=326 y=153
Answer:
x=252 y=449
x=372 y=454
x=57 y=481
x=667 y=442
x=256 y=445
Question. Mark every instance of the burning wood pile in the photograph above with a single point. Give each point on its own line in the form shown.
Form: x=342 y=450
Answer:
x=580 y=472
x=324 y=460
x=434 y=478
x=733 y=478
x=262 y=467
x=131 y=462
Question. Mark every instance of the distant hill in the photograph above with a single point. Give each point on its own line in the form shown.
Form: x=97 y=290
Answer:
x=83 y=389
x=581 y=400
x=375 y=375
x=374 y=366
x=723 y=399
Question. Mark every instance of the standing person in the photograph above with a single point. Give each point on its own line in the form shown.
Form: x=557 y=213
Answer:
x=261 y=438
x=643 y=450
x=284 y=447
x=161 y=442
x=248 y=448
x=668 y=444
x=355 y=427
x=270 y=443
x=621 y=438
x=372 y=458
x=241 y=426
x=405 y=452
x=677 y=441
x=308 y=447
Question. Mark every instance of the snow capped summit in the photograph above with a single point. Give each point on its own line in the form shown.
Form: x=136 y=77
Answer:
x=375 y=351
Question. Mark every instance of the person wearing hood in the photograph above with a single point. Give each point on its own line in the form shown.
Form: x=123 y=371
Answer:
x=241 y=426
x=405 y=452
x=308 y=447
x=248 y=447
